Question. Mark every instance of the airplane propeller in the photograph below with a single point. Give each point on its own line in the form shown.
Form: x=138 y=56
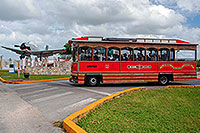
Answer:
x=16 y=46
x=22 y=45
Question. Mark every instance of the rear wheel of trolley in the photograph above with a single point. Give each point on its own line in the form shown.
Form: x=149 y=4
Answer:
x=163 y=80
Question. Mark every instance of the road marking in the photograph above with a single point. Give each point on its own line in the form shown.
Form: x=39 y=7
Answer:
x=58 y=81
x=78 y=104
x=37 y=91
x=28 y=84
x=28 y=87
x=99 y=92
x=63 y=84
x=49 y=97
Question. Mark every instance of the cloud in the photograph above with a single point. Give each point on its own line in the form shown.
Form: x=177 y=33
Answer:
x=5 y=30
x=55 y=22
x=93 y=12
x=132 y=17
x=184 y=5
x=189 y=5
x=155 y=21
x=11 y=10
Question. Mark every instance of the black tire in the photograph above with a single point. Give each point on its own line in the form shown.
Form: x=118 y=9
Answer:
x=163 y=80
x=92 y=81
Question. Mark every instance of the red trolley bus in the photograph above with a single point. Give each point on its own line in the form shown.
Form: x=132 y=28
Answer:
x=123 y=60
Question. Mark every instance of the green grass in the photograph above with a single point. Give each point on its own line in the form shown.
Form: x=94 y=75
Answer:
x=158 y=110
x=8 y=76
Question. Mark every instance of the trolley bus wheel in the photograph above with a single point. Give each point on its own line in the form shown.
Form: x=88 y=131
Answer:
x=163 y=80
x=92 y=81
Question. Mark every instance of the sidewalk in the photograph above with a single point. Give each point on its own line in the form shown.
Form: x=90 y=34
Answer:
x=31 y=81
x=18 y=116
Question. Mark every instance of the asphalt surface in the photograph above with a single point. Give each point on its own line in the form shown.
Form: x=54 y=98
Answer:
x=34 y=107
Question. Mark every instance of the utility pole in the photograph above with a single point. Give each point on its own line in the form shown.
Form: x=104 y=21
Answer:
x=1 y=63
x=18 y=71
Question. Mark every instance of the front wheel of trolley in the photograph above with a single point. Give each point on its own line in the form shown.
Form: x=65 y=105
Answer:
x=163 y=80
x=92 y=81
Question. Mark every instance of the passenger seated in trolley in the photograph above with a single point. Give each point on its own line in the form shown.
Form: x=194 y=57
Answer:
x=152 y=56
x=124 y=57
x=135 y=57
x=115 y=57
x=164 y=57
x=129 y=58
x=140 y=57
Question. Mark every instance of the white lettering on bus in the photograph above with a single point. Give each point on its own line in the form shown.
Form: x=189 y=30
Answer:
x=139 y=66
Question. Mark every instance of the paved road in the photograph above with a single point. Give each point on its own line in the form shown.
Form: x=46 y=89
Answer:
x=48 y=102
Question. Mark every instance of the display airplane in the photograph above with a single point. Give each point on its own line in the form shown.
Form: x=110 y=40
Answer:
x=28 y=49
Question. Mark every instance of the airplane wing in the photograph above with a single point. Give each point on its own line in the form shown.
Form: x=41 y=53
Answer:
x=46 y=53
x=17 y=51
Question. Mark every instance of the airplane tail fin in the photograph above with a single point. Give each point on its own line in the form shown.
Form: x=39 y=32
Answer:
x=47 y=47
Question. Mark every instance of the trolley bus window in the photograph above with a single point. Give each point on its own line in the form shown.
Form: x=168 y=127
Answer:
x=164 y=54
x=172 y=54
x=139 y=54
x=185 y=55
x=126 y=54
x=74 y=54
x=85 y=53
x=113 y=54
x=99 y=54
x=152 y=54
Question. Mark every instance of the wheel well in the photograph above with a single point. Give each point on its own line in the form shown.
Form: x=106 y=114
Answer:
x=169 y=75
x=98 y=76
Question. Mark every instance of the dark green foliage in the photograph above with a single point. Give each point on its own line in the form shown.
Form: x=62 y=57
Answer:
x=198 y=63
x=67 y=48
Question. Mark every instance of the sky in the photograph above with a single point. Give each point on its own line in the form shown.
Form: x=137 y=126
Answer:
x=54 y=22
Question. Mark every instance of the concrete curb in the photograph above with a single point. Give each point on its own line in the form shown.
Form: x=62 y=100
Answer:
x=181 y=86
x=34 y=81
x=69 y=122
